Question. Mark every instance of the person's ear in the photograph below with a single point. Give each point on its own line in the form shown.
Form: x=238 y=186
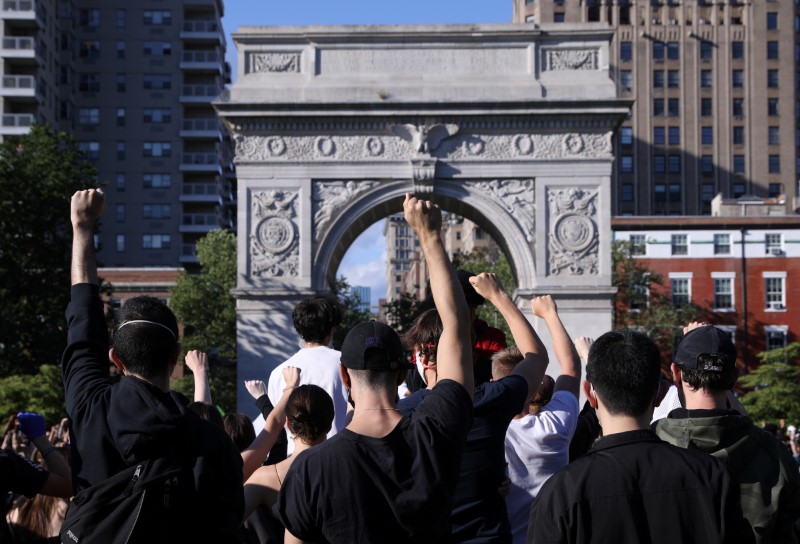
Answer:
x=676 y=374
x=112 y=355
x=591 y=396
x=344 y=376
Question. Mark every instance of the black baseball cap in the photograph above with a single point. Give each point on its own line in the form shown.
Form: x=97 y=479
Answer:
x=373 y=345
x=705 y=340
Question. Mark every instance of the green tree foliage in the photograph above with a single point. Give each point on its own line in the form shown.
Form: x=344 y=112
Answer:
x=772 y=389
x=38 y=174
x=353 y=315
x=42 y=393
x=402 y=311
x=485 y=260
x=644 y=303
x=205 y=306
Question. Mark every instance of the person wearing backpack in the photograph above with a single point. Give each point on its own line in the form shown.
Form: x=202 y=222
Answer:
x=145 y=469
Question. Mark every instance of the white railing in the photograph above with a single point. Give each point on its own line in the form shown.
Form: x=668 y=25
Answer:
x=200 y=219
x=18 y=5
x=188 y=250
x=200 y=158
x=200 y=26
x=201 y=124
x=19 y=82
x=204 y=91
x=17 y=119
x=200 y=189
x=201 y=56
x=23 y=43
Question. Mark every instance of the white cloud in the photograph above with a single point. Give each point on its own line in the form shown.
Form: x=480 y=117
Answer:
x=365 y=262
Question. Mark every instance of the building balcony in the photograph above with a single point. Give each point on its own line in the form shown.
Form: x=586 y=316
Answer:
x=199 y=94
x=203 y=61
x=16 y=124
x=202 y=31
x=201 y=128
x=200 y=162
x=201 y=192
x=188 y=253
x=200 y=222
x=21 y=47
x=23 y=12
x=19 y=86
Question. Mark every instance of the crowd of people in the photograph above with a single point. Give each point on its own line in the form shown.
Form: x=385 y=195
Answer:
x=468 y=440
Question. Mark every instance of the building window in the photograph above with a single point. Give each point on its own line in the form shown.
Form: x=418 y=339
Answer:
x=674 y=107
x=121 y=183
x=157 y=115
x=157 y=81
x=738 y=135
x=660 y=193
x=775 y=288
x=774 y=164
x=120 y=243
x=722 y=244
x=658 y=136
x=772 y=79
x=558 y=17
x=121 y=83
x=707 y=193
x=156 y=181
x=157 y=49
x=680 y=244
x=640 y=296
x=775 y=336
x=119 y=213
x=121 y=117
x=638 y=244
x=90 y=18
x=674 y=164
x=157 y=17
x=658 y=79
x=738 y=107
x=88 y=116
x=772 y=50
x=155 y=241
x=675 y=192
x=707 y=165
x=89 y=82
x=626 y=164
x=156 y=211
x=737 y=79
x=738 y=189
x=706 y=50
x=673 y=79
x=737 y=50
x=774 y=243
x=659 y=164
x=120 y=151
x=626 y=192
x=120 y=50
x=706 y=107
x=773 y=107
x=707 y=135
x=157 y=149
x=658 y=50
x=674 y=136
x=774 y=135
x=738 y=164
x=626 y=136
x=121 y=19
x=681 y=291
x=658 y=107
x=723 y=293
x=625 y=51
x=706 y=79
x=775 y=189
x=673 y=50
x=772 y=20
x=90 y=149
x=89 y=50
x=626 y=80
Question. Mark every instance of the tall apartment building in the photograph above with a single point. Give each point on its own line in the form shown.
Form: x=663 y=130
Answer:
x=401 y=248
x=716 y=90
x=133 y=82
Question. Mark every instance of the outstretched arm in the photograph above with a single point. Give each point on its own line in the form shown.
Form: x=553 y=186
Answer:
x=454 y=351
x=570 y=378
x=255 y=454
x=59 y=480
x=534 y=364
x=197 y=361
x=85 y=209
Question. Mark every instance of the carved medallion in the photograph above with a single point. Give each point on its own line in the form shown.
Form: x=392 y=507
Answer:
x=573 y=144
x=275 y=234
x=574 y=238
x=276 y=146
x=325 y=146
x=524 y=144
x=373 y=146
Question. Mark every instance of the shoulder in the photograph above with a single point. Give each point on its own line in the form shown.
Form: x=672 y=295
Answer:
x=504 y=389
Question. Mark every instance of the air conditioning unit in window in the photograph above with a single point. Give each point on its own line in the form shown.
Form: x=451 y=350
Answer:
x=776 y=306
x=776 y=251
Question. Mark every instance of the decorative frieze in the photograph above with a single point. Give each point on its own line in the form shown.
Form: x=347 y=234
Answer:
x=274 y=248
x=274 y=62
x=329 y=197
x=571 y=59
x=574 y=238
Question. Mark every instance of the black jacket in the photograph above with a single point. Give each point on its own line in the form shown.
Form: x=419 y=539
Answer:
x=633 y=487
x=116 y=425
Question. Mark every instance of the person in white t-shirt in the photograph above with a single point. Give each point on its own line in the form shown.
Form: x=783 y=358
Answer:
x=315 y=318
x=537 y=445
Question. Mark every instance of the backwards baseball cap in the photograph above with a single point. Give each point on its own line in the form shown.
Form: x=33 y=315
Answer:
x=373 y=345
x=705 y=340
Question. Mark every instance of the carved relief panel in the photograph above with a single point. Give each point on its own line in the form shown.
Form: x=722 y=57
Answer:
x=274 y=236
x=573 y=240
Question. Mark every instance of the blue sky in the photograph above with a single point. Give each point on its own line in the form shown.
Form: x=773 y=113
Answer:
x=364 y=263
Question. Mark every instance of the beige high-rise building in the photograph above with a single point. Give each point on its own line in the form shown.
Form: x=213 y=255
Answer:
x=133 y=82
x=715 y=84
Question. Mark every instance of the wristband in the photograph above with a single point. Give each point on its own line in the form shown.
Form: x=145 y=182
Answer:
x=288 y=387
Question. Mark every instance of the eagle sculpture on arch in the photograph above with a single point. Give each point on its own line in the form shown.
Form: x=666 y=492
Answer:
x=425 y=138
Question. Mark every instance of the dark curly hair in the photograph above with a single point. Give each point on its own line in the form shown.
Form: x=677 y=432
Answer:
x=309 y=412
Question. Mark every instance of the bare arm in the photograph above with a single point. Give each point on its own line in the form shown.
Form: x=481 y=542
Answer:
x=454 y=351
x=197 y=361
x=255 y=454
x=534 y=365
x=59 y=480
x=261 y=489
x=85 y=208
x=570 y=378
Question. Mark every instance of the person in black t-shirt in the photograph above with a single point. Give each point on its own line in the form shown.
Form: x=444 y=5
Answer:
x=387 y=478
